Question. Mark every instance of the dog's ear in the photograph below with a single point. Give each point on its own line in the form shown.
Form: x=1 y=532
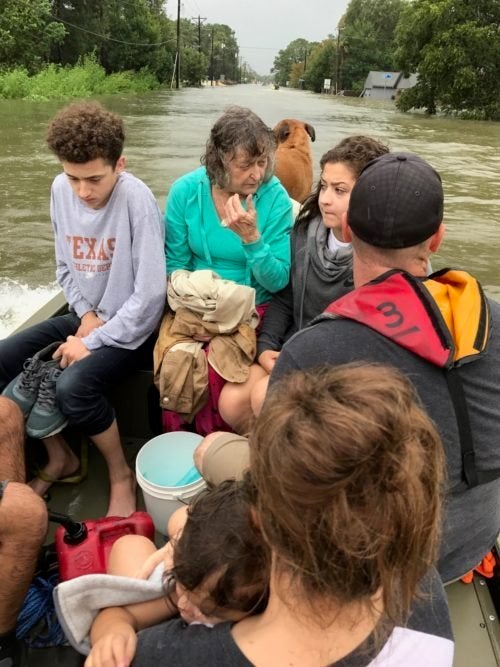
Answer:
x=282 y=132
x=310 y=131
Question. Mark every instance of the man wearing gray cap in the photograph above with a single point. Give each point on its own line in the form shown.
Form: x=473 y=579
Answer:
x=441 y=331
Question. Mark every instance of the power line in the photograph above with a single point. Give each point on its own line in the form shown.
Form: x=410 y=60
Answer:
x=111 y=39
x=197 y=6
x=199 y=19
x=186 y=7
x=168 y=41
x=261 y=48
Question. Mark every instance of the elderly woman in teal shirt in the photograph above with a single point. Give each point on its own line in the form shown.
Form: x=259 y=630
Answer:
x=232 y=215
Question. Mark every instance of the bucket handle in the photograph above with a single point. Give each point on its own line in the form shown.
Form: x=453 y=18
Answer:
x=186 y=497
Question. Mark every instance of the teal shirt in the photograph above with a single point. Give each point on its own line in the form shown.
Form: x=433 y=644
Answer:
x=196 y=240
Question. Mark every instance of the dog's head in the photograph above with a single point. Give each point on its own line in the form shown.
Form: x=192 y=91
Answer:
x=289 y=127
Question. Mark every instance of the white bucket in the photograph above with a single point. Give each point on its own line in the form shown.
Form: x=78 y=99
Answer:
x=166 y=474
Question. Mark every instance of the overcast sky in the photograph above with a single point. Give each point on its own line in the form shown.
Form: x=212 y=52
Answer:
x=263 y=27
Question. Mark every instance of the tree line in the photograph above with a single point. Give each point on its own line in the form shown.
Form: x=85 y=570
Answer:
x=120 y=35
x=453 y=46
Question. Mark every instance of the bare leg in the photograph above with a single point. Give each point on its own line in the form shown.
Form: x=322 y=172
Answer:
x=23 y=525
x=11 y=441
x=23 y=518
x=234 y=401
x=122 y=500
x=200 y=451
x=62 y=462
x=128 y=555
x=258 y=395
x=177 y=521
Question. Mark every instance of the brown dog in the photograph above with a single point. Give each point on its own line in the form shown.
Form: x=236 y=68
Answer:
x=294 y=165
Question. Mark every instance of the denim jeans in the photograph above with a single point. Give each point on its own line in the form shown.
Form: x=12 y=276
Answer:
x=81 y=388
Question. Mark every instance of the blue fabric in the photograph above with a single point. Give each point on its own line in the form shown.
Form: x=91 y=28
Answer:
x=37 y=622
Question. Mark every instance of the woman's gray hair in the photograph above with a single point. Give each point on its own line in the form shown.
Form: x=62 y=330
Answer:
x=238 y=127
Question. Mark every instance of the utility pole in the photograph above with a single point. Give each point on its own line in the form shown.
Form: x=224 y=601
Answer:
x=338 y=62
x=178 y=68
x=199 y=19
x=223 y=49
x=212 y=59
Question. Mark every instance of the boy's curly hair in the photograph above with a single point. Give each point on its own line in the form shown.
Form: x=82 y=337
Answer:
x=86 y=131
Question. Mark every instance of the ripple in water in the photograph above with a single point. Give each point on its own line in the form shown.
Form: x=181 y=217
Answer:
x=18 y=301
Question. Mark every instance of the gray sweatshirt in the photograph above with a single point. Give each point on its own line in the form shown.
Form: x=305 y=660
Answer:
x=111 y=260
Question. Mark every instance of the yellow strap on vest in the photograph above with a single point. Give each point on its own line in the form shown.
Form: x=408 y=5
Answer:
x=464 y=309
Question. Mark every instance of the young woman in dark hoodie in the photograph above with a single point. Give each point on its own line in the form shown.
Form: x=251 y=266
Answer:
x=321 y=272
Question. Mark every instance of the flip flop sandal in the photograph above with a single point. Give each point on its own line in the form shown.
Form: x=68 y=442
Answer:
x=74 y=478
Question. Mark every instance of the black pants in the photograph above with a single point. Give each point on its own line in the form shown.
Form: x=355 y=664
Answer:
x=81 y=388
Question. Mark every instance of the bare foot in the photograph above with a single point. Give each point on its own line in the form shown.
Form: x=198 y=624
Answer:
x=55 y=469
x=122 y=501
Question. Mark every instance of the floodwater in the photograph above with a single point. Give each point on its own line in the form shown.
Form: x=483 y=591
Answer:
x=166 y=134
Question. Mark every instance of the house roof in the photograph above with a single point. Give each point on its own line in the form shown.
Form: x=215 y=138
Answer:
x=382 y=79
x=407 y=81
x=389 y=80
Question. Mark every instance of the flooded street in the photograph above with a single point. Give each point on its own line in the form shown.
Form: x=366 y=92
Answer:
x=166 y=135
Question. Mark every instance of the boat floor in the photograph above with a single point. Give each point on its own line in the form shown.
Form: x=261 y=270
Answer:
x=474 y=618
x=86 y=500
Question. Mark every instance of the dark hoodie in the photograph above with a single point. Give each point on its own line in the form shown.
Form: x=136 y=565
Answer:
x=318 y=276
x=432 y=330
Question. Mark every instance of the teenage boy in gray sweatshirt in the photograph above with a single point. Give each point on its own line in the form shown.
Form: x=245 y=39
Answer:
x=110 y=264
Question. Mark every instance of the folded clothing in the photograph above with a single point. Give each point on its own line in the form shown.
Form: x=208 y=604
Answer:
x=78 y=601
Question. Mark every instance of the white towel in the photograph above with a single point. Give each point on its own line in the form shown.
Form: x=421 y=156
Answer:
x=78 y=600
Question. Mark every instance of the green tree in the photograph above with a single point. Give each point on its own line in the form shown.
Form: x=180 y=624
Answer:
x=321 y=65
x=298 y=69
x=296 y=75
x=454 y=45
x=125 y=35
x=189 y=34
x=292 y=54
x=193 y=66
x=367 y=33
x=221 y=51
x=83 y=22
x=27 y=33
x=135 y=37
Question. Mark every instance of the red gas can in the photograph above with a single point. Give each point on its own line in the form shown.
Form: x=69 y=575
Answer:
x=83 y=547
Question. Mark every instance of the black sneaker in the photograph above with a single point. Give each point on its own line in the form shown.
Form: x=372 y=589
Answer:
x=23 y=389
x=45 y=418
